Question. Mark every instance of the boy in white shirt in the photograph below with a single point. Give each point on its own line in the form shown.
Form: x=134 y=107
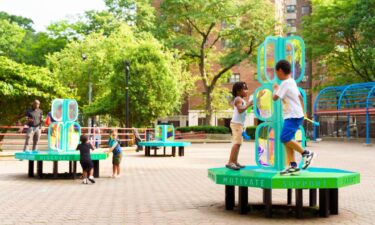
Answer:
x=293 y=115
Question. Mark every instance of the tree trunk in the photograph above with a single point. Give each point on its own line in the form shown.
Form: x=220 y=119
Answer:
x=209 y=111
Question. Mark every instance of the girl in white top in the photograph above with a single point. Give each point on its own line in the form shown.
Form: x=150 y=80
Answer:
x=239 y=92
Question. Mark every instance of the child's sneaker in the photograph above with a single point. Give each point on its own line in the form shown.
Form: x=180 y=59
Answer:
x=232 y=166
x=91 y=179
x=290 y=171
x=308 y=157
x=84 y=181
x=240 y=166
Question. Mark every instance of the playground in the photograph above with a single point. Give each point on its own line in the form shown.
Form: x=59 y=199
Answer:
x=170 y=190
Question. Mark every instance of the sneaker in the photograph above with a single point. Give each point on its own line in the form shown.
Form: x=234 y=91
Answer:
x=113 y=176
x=307 y=159
x=232 y=166
x=91 y=179
x=84 y=181
x=240 y=166
x=290 y=171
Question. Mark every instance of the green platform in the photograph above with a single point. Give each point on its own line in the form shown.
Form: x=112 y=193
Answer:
x=312 y=178
x=57 y=156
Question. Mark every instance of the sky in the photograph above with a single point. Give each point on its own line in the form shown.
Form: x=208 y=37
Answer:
x=43 y=12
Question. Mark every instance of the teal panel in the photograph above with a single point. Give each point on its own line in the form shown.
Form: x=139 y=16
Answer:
x=164 y=144
x=57 y=156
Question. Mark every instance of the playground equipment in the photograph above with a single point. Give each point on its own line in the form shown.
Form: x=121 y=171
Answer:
x=349 y=100
x=164 y=137
x=270 y=153
x=63 y=138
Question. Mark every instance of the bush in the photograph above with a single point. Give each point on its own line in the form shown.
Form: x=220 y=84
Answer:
x=251 y=131
x=206 y=129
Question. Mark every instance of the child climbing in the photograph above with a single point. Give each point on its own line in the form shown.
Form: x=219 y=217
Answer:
x=293 y=115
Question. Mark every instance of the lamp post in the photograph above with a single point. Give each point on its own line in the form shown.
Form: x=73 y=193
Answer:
x=127 y=68
x=90 y=121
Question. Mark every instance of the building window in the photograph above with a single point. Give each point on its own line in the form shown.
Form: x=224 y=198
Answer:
x=290 y=8
x=234 y=78
x=305 y=9
x=291 y=22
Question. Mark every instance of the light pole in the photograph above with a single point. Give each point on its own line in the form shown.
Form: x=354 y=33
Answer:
x=127 y=68
x=90 y=121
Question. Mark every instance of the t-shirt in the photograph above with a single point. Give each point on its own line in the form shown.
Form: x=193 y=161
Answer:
x=36 y=117
x=84 y=150
x=117 y=149
x=289 y=94
x=237 y=117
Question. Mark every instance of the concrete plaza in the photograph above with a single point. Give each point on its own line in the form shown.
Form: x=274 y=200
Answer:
x=167 y=190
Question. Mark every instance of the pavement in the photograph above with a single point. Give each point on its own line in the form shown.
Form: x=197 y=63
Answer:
x=168 y=190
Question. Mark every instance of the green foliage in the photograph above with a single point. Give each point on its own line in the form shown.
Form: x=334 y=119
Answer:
x=200 y=28
x=340 y=36
x=157 y=80
x=206 y=129
x=138 y=13
x=11 y=36
x=20 y=84
x=251 y=131
x=23 y=22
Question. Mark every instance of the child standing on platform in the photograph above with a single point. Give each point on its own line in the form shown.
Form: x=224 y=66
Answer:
x=85 y=159
x=239 y=92
x=115 y=148
x=293 y=115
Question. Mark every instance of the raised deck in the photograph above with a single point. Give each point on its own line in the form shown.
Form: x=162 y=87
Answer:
x=327 y=180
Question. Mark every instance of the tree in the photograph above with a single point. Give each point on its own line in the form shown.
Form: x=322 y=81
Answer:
x=157 y=79
x=20 y=84
x=23 y=22
x=198 y=28
x=11 y=35
x=138 y=13
x=340 y=36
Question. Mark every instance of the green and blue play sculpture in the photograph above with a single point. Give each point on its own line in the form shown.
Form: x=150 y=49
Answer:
x=63 y=138
x=270 y=157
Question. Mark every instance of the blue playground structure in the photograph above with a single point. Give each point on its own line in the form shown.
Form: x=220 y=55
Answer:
x=164 y=137
x=269 y=151
x=350 y=101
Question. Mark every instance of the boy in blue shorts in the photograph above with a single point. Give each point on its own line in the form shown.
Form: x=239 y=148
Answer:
x=293 y=115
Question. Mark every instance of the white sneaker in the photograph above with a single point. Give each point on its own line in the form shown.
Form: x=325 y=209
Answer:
x=290 y=171
x=91 y=179
x=84 y=181
x=308 y=159
x=113 y=176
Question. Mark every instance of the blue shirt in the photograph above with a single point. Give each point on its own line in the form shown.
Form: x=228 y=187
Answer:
x=117 y=149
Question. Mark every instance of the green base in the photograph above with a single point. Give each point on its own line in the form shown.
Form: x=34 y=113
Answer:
x=312 y=178
x=57 y=156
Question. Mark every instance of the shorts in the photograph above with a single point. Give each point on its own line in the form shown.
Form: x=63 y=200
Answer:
x=116 y=159
x=236 y=133
x=86 y=165
x=290 y=128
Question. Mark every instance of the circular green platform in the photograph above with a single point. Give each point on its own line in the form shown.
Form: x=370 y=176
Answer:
x=312 y=178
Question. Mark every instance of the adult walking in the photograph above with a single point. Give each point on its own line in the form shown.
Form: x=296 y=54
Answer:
x=34 y=118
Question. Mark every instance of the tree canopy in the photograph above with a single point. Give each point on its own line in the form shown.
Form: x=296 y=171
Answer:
x=215 y=35
x=157 y=80
x=20 y=84
x=341 y=37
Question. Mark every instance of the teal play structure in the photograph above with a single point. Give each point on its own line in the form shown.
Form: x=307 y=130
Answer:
x=63 y=138
x=164 y=137
x=350 y=100
x=269 y=151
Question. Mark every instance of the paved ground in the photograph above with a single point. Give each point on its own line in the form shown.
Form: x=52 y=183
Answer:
x=166 y=190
